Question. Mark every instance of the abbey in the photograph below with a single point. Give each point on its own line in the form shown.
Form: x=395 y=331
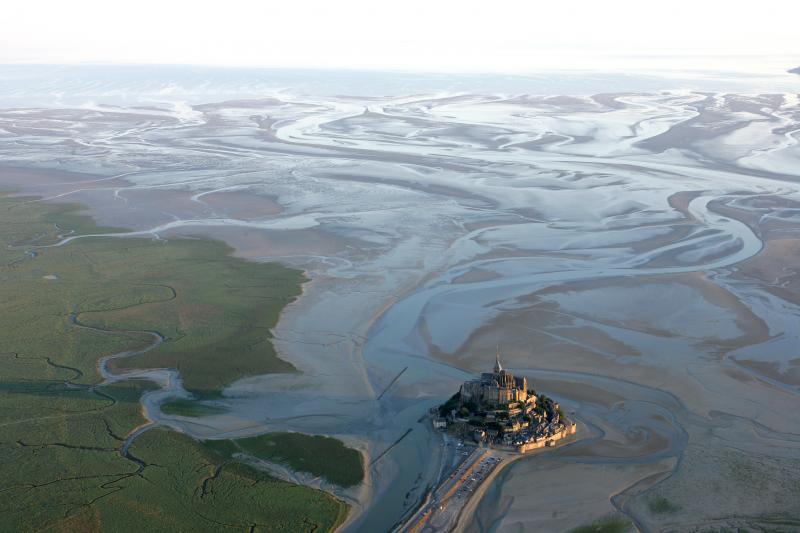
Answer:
x=498 y=409
x=496 y=388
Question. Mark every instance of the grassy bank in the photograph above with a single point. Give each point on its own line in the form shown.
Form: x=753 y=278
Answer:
x=316 y=455
x=191 y=408
x=614 y=523
x=62 y=467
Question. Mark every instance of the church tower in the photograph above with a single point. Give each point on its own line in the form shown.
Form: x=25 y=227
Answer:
x=497 y=366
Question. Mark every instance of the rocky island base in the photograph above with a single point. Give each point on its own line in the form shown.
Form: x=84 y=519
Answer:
x=499 y=410
x=489 y=423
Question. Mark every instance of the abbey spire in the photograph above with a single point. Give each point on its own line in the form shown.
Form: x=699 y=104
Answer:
x=497 y=366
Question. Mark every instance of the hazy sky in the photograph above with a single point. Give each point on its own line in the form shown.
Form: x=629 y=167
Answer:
x=410 y=34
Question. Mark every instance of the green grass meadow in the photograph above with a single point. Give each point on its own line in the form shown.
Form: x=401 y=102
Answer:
x=61 y=462
x=319 y=456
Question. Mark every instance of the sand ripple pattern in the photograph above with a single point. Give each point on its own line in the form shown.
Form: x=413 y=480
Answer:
x=634 y=254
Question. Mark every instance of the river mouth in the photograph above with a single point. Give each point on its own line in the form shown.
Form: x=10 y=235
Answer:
x=633 y=266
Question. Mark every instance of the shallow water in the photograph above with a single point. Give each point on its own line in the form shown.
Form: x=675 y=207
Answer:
x=608 y=241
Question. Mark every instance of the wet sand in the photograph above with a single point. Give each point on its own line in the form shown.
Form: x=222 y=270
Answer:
x=633 y=254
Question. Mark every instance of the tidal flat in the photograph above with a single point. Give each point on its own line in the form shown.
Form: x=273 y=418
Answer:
x=632 y=251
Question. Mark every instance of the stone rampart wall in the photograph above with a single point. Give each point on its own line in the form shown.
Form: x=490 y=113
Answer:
x=570 y=429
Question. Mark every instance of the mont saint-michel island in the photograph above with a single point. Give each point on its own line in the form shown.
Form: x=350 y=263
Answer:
x=500 y=410
x=490 y=422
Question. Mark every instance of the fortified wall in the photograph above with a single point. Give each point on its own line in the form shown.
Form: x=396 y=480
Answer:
x=569 y=429
x=499 y=410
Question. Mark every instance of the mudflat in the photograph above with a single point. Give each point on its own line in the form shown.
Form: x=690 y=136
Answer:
x=632 y=253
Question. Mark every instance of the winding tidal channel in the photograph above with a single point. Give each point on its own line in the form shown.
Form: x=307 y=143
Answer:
x=633 y=254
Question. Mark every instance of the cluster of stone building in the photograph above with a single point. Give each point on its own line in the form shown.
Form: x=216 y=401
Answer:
x=500 y=409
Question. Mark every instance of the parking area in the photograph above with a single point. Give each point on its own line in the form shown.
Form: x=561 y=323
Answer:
x=471 y=466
